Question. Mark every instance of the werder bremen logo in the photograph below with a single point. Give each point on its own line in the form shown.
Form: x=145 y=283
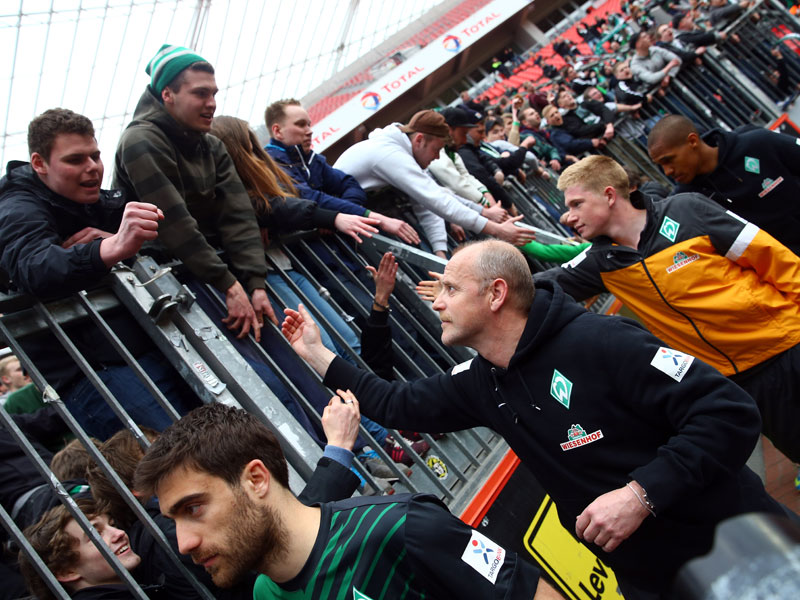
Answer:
x=560 y=388
x=359 y=596
x=669 y=229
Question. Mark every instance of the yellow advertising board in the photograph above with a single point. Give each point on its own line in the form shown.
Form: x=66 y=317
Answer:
x=574 y=568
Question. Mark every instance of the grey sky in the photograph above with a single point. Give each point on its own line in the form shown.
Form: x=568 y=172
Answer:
x=90 y=55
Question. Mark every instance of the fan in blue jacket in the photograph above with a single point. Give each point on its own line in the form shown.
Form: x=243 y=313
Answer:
x=315 y=180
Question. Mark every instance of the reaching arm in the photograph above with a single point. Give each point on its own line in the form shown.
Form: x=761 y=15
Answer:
x=580 y=277
x=39 y=263
x=401 y=171
x=433 y=404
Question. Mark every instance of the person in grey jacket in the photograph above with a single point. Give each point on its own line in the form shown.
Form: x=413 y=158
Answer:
x=652 y=65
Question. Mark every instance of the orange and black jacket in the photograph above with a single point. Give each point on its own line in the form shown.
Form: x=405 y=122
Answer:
x=703 y=279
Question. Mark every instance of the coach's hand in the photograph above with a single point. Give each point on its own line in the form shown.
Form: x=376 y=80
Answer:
x=610 y=519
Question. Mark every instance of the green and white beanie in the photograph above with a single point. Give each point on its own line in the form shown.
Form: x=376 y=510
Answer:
x=167 y=63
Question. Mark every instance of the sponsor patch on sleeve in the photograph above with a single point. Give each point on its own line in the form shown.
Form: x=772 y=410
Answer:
x=671 y=362
x=483 y=555
x=462 y=367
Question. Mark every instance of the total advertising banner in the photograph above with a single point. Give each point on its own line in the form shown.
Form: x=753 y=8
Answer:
x=393 y=84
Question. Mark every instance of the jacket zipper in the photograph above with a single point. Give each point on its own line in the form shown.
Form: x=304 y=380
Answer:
x=303 y=162
x=685 y=316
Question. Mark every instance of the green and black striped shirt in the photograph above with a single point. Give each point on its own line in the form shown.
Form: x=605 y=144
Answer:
x=401 y=548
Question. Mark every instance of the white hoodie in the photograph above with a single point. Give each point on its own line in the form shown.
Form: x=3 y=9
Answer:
x=386 y=158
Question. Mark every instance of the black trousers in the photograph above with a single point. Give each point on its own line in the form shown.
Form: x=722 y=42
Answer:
x=775 y=386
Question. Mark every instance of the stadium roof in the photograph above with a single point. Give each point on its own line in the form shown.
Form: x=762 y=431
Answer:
x=90 y=55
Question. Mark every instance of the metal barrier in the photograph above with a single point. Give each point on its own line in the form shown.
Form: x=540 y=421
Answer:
x=454 y=468
x=733 y=87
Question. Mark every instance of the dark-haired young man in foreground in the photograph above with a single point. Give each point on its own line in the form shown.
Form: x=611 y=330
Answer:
x=221 y=475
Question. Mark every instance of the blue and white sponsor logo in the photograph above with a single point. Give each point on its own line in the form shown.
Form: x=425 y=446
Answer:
x=672 y=363
x=483 y=555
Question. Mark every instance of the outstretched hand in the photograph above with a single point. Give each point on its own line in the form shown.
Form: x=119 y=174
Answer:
x=518 y=236
x=340 y=420
x=353 y=225
x=385 y=276
x=428 y=289
x=397 y=227
x=303 y=334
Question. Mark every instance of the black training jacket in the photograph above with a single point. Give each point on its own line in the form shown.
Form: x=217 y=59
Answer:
x=590 y=402
x=758 y=178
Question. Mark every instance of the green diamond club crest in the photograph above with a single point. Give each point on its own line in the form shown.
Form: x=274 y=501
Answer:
x=359 y=596
x=669 y=229
x=560 y=388
x=752 y=165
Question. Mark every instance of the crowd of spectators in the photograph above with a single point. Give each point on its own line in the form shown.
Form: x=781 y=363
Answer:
x=201 y=188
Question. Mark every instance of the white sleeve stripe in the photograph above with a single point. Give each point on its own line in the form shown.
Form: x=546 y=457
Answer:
x=741 y=243
x=737 y=217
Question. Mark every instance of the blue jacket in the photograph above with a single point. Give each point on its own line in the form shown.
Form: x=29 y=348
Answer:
x=316 y=180
x=568 y=143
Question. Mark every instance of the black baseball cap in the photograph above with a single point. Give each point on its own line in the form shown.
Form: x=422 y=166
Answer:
x=459 y=117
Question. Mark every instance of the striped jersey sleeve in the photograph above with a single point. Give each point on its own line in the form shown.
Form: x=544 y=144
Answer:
x=400 y=547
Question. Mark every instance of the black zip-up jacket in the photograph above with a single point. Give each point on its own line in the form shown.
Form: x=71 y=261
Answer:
x=34 y=221
x=577 y=127
x=583 y=406
x=294 y=214
x=483 y=167
x=758 y=178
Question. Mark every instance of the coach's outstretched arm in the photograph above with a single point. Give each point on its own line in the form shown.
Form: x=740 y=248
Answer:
x=303 y=334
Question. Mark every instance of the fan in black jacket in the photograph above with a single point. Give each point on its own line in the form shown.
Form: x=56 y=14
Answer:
x=589 y=119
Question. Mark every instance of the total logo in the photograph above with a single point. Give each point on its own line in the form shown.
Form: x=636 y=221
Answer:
x=371 y=101
x=452 y=43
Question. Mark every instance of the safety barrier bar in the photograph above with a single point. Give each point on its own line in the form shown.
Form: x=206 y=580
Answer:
x=52 y=398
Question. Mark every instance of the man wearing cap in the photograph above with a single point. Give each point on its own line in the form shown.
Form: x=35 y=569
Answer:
x=398 y=156
x=466 y=129
x=449 y=169
x=166 y=157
